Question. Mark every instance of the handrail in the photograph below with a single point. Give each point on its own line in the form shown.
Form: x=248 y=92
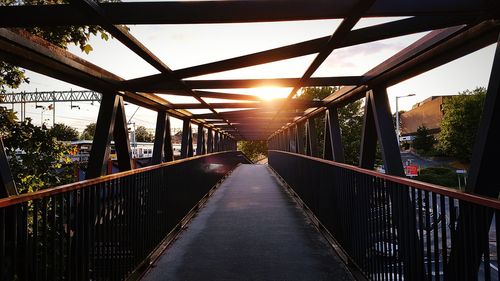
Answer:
x=13 y=200
x=472 y=198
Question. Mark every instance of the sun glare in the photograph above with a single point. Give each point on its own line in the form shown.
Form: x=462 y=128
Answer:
x=270 y=93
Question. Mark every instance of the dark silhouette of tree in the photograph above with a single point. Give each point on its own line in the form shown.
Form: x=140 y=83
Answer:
x=88 y=133
x=63 y=132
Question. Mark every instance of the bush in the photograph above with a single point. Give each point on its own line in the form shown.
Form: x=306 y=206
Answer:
x=438 y=175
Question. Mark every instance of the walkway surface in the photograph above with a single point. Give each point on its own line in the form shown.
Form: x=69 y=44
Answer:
x=250 y=229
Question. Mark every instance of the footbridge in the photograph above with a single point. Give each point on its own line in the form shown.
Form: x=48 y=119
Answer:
x=215 y=215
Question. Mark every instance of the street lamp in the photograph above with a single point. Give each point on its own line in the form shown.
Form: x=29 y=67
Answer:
x=397 y=114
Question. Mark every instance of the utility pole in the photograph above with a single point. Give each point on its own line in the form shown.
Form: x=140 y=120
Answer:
x=398 y=134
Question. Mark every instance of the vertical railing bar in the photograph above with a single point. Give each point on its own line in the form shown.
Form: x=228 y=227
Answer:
x=35 y=240
x=444 y=246
x=484 y=214
x=436 y=238
x=428 y=235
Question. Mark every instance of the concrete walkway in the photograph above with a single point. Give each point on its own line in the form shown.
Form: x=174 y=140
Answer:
x=250 y=229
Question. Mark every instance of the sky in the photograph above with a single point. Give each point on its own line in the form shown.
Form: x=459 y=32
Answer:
x=182 y=46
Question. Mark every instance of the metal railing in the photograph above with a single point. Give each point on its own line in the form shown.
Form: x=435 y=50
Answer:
x=393 y=228
x=103 y=229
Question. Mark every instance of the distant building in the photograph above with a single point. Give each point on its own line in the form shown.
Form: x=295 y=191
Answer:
x=428 y=113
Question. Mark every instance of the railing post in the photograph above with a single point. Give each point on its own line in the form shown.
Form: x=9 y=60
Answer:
x=168 y=151
x=99 y=153
x=120 y=136
x=473 y=227
x=8 y=187
x=200 y=140
x=216 y=141
x=409 y=246
x=186 y=131
x=311 y=138
x=210 y=141
x=368 y=138
x=300 y=138
x=190 y=151
x=159 y=141
x=333 y=148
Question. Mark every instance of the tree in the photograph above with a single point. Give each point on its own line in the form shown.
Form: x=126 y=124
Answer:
x=461 y=118
x=350 y=119
x=61 y=36
x=63 y=132
x=423 y=140
x=88 y=132
x=255 y=150
x=142 y=135
x=351 y=123
x=37 y=160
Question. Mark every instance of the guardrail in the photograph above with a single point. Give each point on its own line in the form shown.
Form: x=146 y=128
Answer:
x=393 y=228
x=102 y=229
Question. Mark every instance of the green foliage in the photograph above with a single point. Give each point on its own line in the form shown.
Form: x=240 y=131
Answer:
x=142 y=135
x=36 y=158
x=88 y=132
x=439 y=176
x=255 y=150
x=63 y=132
x=423 y=142
x=350 y=119
x=461 y=118
x=351 y=124
x=61 y=36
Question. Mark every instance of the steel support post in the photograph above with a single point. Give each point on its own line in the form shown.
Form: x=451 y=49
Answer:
x=190 y=151
x=368 y=138
x=216 y=141
x=210 y=141
x=120 y=136
x=333 y=148
x=200 y=140
x=311 y=138
x=8 y=187
x=204 y=143
x=159 y=141
x=168 y=151
x=99 y=155
x=186 y=131
x=300 y=134
x=474 y=222
x=403 y=209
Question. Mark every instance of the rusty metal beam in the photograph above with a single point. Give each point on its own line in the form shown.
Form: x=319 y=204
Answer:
x=198 y=12
x=168 y=86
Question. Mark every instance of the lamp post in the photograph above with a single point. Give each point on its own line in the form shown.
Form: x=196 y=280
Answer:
x=397 y=114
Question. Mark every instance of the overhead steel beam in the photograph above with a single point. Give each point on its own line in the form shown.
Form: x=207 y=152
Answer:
x=198 y=12
x=264 y=104
x=338 y=36
x=438 y=47
x=121 y=33
x=160 y=87
x=355 y=37
x=31 y=52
